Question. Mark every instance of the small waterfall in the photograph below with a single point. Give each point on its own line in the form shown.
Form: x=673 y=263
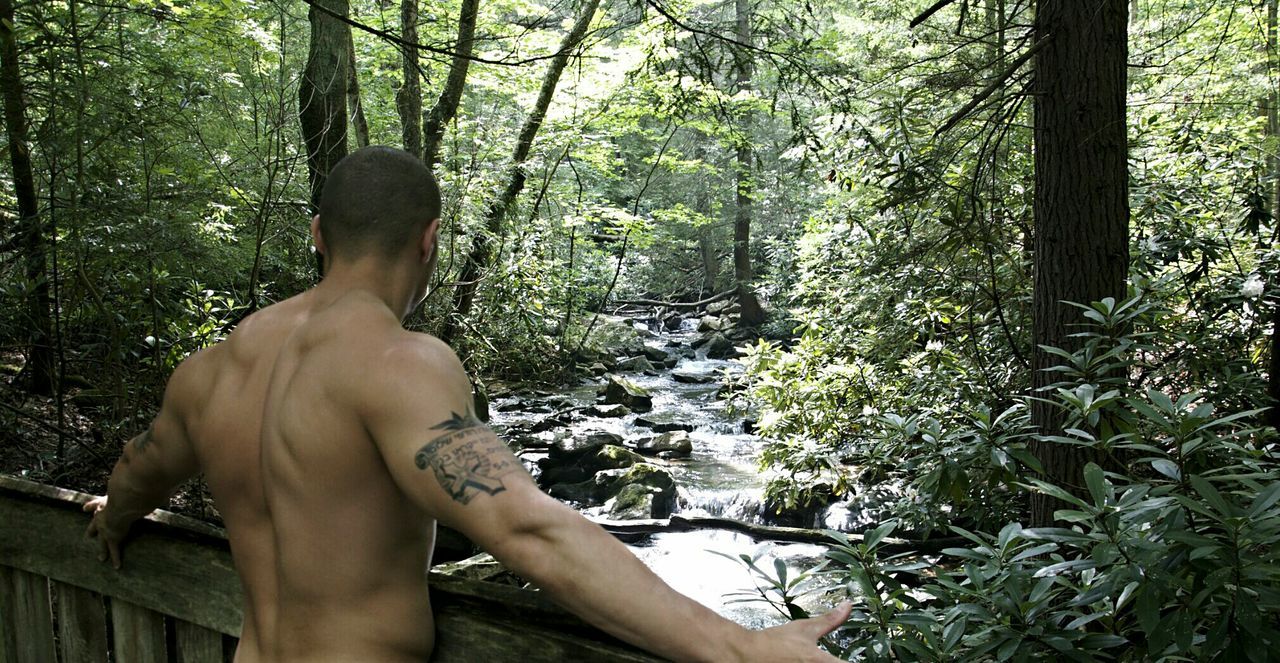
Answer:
x=744 y=505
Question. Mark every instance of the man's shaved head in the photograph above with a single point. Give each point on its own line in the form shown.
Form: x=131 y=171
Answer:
x=376 y=200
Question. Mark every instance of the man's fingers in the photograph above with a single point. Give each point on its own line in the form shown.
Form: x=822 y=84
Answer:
x=829 y=621
x=113 y=549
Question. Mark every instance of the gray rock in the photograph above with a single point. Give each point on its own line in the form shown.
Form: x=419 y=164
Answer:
x=685 y=377
x=710 y=323
x=638 y=503
x=663 y=426
x=675 y=442
x=716 y=308
x=640 y=363
x=598 y=368
x=670 y=362
x=557 y=470
x=620 y=390
x=606 y=411
x=609 y=483
x=719 y=347
x=574 y=446
x=657 y=355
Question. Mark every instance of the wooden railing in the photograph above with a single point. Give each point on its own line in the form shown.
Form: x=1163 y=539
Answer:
x=178 y=597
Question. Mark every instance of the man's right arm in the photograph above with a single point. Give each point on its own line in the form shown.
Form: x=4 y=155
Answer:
x=457 y=470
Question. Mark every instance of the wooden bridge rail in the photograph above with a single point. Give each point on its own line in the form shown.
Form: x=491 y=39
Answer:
x=178 y=597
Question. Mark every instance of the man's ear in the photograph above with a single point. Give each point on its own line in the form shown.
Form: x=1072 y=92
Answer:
x=316 y=237
x=430 y=237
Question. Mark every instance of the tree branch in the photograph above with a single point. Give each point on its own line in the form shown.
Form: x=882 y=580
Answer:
x=995 y=84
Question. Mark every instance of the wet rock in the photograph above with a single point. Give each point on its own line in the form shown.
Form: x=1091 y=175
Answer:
x=716 y=308
x=640 y=363
x=663 y=426
x=560 y=469
x=672 y=321
x=676 y=443
x=685 y=377
x=619 y=390
x=511 y=407
x=749 y=426
x=657 y=355
x=710 y=323
x=609 y=483
x=719 y=347
x=700 y=341
x=551 y=423
x=670 y=362
x=574 y=446
x=639 y=502
x=606 y=411
x=598 y=369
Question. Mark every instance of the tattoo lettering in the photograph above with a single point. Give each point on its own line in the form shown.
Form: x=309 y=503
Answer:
x=467 y=459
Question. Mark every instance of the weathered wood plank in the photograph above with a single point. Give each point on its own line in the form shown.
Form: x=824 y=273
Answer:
x=163 y=564
x=82 y=624
x=137 y=633
x=32 y=617
x=197 y=644
x=8 y=638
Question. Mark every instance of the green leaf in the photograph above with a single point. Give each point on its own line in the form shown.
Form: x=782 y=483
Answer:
x=1167 y=468
x=1094 y=480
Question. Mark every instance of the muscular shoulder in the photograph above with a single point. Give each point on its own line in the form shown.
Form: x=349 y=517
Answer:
x=414 y=367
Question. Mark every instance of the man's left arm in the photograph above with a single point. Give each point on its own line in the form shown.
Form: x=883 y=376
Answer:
x=150 y=469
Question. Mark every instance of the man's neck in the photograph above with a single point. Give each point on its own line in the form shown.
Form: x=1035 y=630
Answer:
x=389 y=283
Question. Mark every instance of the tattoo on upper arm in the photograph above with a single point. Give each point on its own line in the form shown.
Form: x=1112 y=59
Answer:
x=466 y=458
x=141 y=442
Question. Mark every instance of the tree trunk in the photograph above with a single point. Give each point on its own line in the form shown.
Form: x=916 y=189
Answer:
x=1273 y=171
x=39 y=370
x=322 y=94
x=354 y=107
x=409 y=96
x=446 y=105
x=709 y=266
x=478 y=257
x=1081 y=197
x=752 y=314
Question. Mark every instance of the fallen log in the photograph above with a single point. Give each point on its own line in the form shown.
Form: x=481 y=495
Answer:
x=678 y=305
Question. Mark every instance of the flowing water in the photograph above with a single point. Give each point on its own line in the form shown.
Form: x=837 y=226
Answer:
x=721 y=478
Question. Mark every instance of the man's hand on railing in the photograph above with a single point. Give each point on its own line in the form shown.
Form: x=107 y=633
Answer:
x=109 y=538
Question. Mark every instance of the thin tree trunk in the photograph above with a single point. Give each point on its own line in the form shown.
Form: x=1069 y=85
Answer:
x=708 y=252
x=39 y=370
x=1081 y=197
x=1273 y=170
x=322 y=94
x=409 y=96
x=354 y=106
x=446 y=106
x=478 y=257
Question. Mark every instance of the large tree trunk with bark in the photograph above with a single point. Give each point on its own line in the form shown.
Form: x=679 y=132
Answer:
x=478 y=257
x=39 y=371
x=1081 y=196
x=322 y=94
x=446 y=106
x=1273 y=194
x=409 y=96
x=752 y=314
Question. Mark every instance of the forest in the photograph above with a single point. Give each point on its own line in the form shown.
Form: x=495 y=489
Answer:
x=1002 y=276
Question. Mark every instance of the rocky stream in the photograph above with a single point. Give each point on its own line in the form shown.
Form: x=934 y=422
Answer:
x=651 y=436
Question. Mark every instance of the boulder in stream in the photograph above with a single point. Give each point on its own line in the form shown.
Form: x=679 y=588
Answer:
x=687 y=377
x=640 y=363
x=606 y=411
x=619 y=390
x=609 y=483
x=637 y=502
x=576 y=469
x=663 y=426
x=710 y=323
x=719 y=347
x=675 y=444
x=573 y=446
x=657 y=355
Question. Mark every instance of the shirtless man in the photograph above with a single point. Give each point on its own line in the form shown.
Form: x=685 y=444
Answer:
x=333 y=441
